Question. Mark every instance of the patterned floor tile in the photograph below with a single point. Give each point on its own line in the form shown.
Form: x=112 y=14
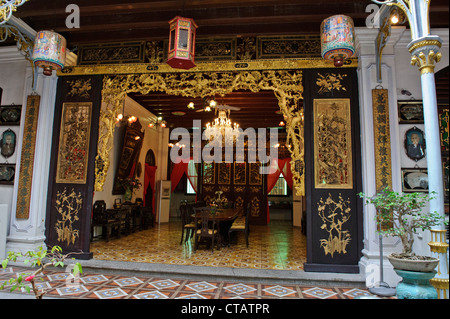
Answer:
x=354 y=293
x=93 y=279
x=151 y=295
x=64 y=291
x=279 y=291
x=128 y=281
x=240 y=289
x=164 y=284
x=99 y=286
x=110 y=293
x=58 y=276
x=319 y=293
x=161 y=245
x=201 y=286
x=190 y=296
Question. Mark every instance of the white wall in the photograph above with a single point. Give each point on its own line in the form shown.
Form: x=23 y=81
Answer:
x=153 y=139
x=397 y=74
x=12 y=80
x=408 y=78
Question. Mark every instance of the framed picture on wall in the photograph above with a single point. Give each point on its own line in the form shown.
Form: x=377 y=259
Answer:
x=7 y=172
x=415 y=143
x=410 y=111
x=7 y=143
x=414 y=180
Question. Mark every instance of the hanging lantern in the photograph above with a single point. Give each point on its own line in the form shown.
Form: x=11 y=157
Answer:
x=337 y=39
x=49 y=51
x=181 y=43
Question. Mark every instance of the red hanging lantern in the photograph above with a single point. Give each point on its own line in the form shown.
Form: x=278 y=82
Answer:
x=181 y=43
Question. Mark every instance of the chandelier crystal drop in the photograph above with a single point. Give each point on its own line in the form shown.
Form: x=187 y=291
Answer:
x=222 y=129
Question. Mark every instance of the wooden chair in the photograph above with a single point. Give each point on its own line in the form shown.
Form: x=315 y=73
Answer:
x=128 y=221
x=147 y=216
x=100 y=217
x=207 y=227
x=241 y=224
x=187 y=225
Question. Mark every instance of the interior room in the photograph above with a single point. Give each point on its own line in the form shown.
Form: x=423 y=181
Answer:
x=276 y=240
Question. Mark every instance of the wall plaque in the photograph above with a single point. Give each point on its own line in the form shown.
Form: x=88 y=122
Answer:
x=332 y=144
x=27 y=157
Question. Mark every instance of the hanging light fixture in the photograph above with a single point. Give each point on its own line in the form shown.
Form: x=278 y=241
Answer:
x=49 y=51
x=337 y=39
x=222 y=127
x=181 y=43
x=158 y=121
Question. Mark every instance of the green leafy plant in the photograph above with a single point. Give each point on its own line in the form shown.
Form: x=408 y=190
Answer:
x=131 y=183
x=402 y=215
x=40 y=258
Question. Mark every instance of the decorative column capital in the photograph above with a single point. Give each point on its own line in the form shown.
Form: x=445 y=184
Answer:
x=425 y=53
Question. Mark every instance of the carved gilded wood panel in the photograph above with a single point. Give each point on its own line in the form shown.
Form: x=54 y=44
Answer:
x=224 y=176
x=240 y=173
x=208 y=173
x=255 y=177
x=74 y=140
x=332 y=144
x=27 y=158
x=382 y=140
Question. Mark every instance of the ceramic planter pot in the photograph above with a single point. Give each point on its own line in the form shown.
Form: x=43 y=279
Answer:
x=413 y=265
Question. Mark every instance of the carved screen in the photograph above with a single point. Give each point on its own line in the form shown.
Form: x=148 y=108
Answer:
x=332 y=144
x=74 y=143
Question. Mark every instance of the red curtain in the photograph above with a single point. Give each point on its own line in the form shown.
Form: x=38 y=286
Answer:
x=177 y=173
x=285 y=167
x=149 y=179
x=271 y=181
x=191 y=173
x=185 y=166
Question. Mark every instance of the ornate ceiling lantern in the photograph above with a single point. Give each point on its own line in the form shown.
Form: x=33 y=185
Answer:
x=181 y=43
x=337 y=39
x=49 y=51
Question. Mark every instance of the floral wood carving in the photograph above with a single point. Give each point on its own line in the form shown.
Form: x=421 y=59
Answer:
x=68 y=207
x=334 y=215
x=80 y=88
x=329 y=82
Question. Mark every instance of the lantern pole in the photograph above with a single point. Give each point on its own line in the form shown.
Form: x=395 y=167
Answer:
x=424 y=49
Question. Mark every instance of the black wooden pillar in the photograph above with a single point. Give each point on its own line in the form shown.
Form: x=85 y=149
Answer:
x=333 y=179
x=72 y=169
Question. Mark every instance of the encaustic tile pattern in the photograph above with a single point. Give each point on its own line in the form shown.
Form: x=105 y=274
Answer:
x=113 y=286
x=276 y=246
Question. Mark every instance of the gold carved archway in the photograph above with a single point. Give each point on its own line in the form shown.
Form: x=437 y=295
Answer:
x=285 y=84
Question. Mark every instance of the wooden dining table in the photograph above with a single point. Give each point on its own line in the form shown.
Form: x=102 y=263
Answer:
x=224 y=217
x=222 y=214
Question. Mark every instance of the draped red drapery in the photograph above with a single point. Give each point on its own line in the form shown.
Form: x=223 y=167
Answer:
x=283 y=167
x=185 y=166
x=149 y=179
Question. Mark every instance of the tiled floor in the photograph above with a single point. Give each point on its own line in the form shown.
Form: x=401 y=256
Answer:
x=276 y=246
x=103 y=286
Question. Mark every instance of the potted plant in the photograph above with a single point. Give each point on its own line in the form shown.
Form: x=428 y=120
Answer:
x=402 y=215
x=130 y=185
